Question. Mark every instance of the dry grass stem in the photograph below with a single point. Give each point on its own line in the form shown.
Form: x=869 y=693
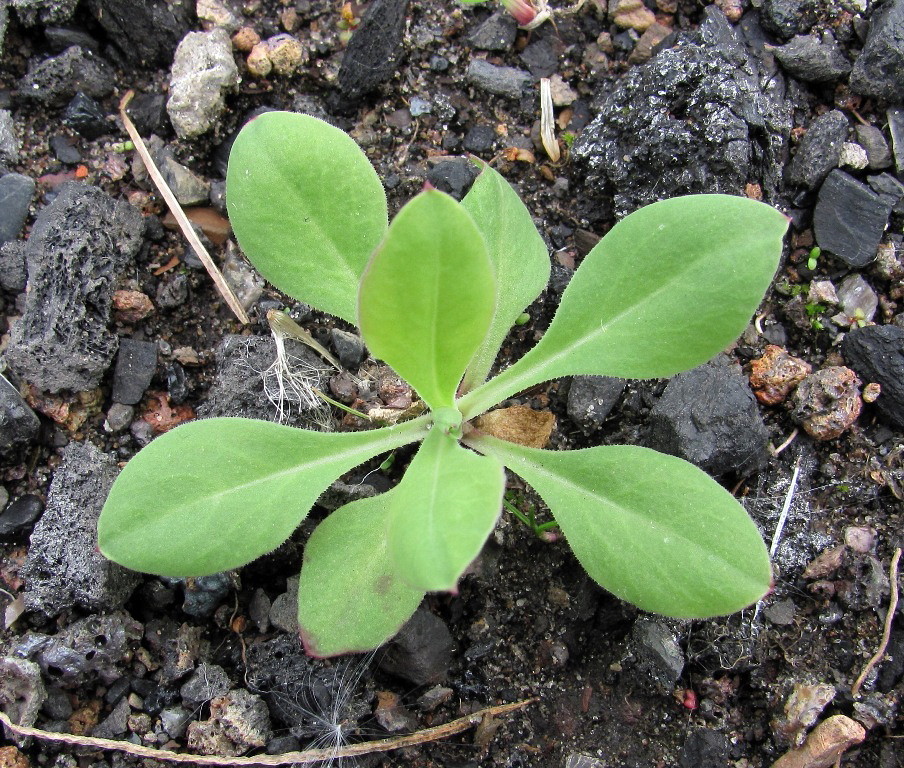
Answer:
x=305 y=757
x=886 y=631
x=222 y=286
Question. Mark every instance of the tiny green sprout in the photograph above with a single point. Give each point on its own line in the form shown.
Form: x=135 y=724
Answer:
x=435 y=292
x=813 y=258
x=568 y=137
x=858 y=319
x=540 y=530
x=522 y=319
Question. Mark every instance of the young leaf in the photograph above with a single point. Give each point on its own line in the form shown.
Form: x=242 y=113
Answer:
x=706 y=261
x=652 y=529
x=215 y=494
x=519 y=257
x=427 y=296
x=349 y=596
x=442 y=512
x=306 y=206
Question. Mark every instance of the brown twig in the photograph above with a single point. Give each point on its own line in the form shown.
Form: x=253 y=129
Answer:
x=886 y=631
x=222 y=286
x=305 y=757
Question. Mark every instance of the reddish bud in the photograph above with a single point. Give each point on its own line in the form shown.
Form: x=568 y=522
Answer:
x=523 y=11
x=690 y=699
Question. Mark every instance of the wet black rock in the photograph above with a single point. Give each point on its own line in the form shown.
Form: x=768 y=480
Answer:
x=96 y=647
x=850 y=219
x=373 y=52
x=591 y=398
x=85 y=116
x=78 y=247
x=698 y=117
x=658 y=657
x=16 y=193
x=502 y=81
x=19 y=426
x=887 y=186
x=13 y=275
x=819 y=150
x=349 y=348
x=19 y=515
x=497 y=33
x=33 y=12
x=454 y=177
x=812 y=59
x=242 y=368
x=146 y=32
x=879 y=69
x=56 y=80
x=876 y=353
x=709 y=416
x=422 y=650
x=896 y=129
x=786 y=18
x=64 y=567
x=705 y=749
x=136 y=363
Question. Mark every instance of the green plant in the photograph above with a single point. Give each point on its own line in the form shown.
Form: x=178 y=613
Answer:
x=813 y=258
x=435 y=294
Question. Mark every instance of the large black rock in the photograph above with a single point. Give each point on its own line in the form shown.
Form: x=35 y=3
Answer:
x=879 y=69
x=876 y=353
x=698 y=117
x=147 y=32
x=79 y=245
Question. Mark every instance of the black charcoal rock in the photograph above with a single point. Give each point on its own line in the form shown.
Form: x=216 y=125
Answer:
x=877 y=151
x=16 y=193
x=497 y=33
x=64 y=567
x=78 y=247
x=813 y=59
x=705 y=749
x=207 y=682
x=876 y=353
x=501 y=81
x=146 y=32
x=19 y=427
x=19 y=515
x=479 y=139
x=85 y=116
x=785 y=18
x=373 y=53
x=849 y=219
x=819 y=150
x=454 y=177
x=56 y=80
x=879 y=69
x=657 y=653
x=64 y=150
x=698 y=117
x=136 y=363
x=708 y=416
x=349 y=348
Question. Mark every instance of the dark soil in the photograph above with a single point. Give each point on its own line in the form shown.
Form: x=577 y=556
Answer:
x=527 y=622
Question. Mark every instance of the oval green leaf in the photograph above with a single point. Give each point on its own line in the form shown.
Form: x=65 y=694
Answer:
x=306 y=206
x=442 y=512
x=519 y=257
x=652 y=529
x=215 y=494
x=349 y=596
x=667 y=288
x=427 y=296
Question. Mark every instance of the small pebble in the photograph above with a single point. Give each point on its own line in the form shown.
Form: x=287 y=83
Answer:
x=860 y=538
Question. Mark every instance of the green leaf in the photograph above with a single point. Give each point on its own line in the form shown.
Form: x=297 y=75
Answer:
x=215 y=494
x=666 y=289
x=519 y=257
x=349 y=596
x=427 y=296
x=652 y=529
x=306 y=206
x=442 y=512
